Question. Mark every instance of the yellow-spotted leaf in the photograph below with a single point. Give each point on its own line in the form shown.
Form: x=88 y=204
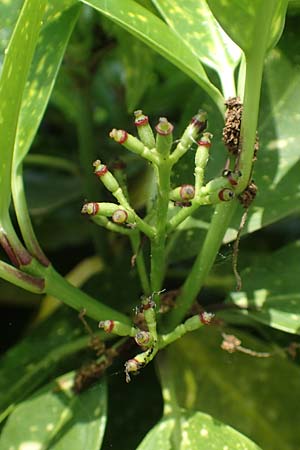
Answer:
x=57 y=418
x=271 y=290
x=194 y=23
x=258 y=396
x=251 y=25
x=147 y=27
x=193 y=431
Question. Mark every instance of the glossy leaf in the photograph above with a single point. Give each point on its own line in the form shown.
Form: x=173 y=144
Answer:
x=198 y=430
x=58 y=26
x=12 y=83
x=8 y=17
x=44 y=196
x=276 y=172
x=194 y=23
x=30 y=362
x=247 y=22
x=57 y=418
x=138 y=64
x=154 y=32
x=271 y=290
x=257 y=396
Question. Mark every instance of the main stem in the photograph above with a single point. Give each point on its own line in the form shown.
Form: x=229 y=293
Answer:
x=158 y=262
x=224 y=212
x=58 y=287
x=135 y=239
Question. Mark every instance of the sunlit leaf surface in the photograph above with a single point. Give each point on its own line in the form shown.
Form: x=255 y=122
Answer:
x=192 y=431
x=57 y=418
x=257 y=396
x=154 y=32
x=271 y=290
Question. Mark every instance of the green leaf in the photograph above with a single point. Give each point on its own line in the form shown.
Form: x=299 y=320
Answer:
x=198 y=430
x=271 y=290
x=276 y=172
x=251 y=24
x=57 y=418
x=44 y=196
x=257 y=396
x=154 y=32
x=16 y=65
x=30 y=362
x=55 y=34
x=8 y=17
x=138 y=64
x=194 y=23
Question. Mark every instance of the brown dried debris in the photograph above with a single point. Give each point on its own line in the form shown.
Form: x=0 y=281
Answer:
x=232 y=129
x=88 y=374
x=249 y=194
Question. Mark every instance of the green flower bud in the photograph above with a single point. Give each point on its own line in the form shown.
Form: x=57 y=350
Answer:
x=195 y=322
x=133 y=144
x=185 y=192
x=106 y=177
x=217 y=190
x=199 y=121
x=144 y=130
x=91 y=208
x=164 y=137
x=197 y=124
x=119 y=328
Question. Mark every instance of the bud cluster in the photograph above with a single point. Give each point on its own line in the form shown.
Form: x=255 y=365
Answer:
x=168 y=207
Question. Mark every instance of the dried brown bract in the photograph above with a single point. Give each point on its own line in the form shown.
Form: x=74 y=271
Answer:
x=249 y=194
x=232 y=129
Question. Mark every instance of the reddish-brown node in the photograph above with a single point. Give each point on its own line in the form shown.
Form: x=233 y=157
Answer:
x=107 y=325
x=123 y=137
x=164 y=128
x=226 y=194
x=205 y=317
x=204 y=143
x=102 y=171
x=142 y=121
x=201 y=125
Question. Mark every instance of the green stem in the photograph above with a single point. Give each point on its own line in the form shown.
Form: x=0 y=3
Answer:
x=23 y=217
x=203 y=263
x=227 y=83
x=143 y=226
x=224 y=212
x=182 y=214
x=171 y=406
x=21 y=279
x=135 y=239
x=58 y=287
x=9 y=240
x=254 y=70
x=158 y=262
